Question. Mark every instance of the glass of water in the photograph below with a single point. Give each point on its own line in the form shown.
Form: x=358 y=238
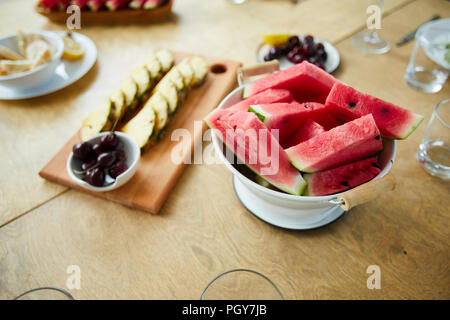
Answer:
x=434 y=151
x=429 y=65
x=241 y=284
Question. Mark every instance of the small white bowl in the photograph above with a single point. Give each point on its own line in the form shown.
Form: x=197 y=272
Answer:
x=133 y=154
x=40 y=74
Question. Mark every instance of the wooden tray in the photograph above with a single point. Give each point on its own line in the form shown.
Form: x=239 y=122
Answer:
x=104 y=16
x=157 y=173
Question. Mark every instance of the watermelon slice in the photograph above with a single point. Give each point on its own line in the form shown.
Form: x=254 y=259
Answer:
x=96 y=5
x=393 y=121
x=287 y=117
x=136 y=4
x=114 y=5
x=306 y=81
x=306 y=131
x=268 y=96
x=153 y=4
x=350 y=142
x=63 y=4
x=342 y=178
x=253 y=144
x=81 y=3
x=49 y=4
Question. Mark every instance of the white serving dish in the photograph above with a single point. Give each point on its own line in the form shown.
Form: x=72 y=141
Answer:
x=331 y=64
x=132 y=151
x=40 y=74
x=285 y=210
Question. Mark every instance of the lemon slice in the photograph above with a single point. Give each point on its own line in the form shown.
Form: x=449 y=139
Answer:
x=276 y=39
x=72 y=49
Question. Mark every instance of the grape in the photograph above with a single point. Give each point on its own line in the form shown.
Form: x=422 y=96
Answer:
x=120 y=155
x=118 y=169
x=109 y=141
x=82 y=150
x=298 y=58
x=88 y=164
x=294 y=41
x=275 y=52
x=267 y=57
x=95 y=177
x=319 y=46
x=106 y=159
x=98 y=148
x=309 y=39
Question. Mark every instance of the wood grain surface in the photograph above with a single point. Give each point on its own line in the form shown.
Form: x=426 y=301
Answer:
x=161 y=165
x=33 y=130
x=203 y=230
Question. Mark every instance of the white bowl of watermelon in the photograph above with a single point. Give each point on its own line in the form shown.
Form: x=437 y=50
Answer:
x=304 y=148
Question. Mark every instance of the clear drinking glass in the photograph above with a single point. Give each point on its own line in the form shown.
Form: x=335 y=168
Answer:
x=429 y=64
x=434 y=151
x=241 y=284
x=45 y=293
x=369 y=41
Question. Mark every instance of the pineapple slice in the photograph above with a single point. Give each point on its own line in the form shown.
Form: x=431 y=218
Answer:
x=168 y=90
x=166 y=59
x=154 y=67
x=186 y=71
x=130 y=91
x=99 y=120
x=161 y=108
x=142 y=126
x=142 y=78
x=200 y=68
x=117 y=99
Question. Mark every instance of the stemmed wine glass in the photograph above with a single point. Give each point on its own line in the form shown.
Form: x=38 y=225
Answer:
x=369 y=41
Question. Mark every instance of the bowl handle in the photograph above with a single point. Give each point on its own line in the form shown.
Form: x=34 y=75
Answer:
x=366 y=192
x=257 y=69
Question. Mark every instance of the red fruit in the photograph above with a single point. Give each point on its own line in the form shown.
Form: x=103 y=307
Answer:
x=136 y=4
x=80 y=3
x=153 y=4
x=49 y=4
x=96 y=5
x=114 y=5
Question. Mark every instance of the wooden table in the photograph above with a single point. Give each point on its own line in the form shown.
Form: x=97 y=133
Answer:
x=203 y=229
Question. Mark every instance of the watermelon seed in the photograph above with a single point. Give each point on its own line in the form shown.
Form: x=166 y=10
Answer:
x=344 y=183
x=376 y=165
x=352 y=104
x=378 y=137
x=306 y=106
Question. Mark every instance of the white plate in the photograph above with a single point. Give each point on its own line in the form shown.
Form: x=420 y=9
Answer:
x=67 y=72
x=331 y=64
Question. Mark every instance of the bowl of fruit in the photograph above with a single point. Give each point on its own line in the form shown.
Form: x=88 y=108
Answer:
x=294 y=49
x=104 y=162
x=304 y=148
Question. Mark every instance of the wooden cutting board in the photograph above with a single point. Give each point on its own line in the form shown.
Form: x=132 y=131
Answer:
x=157 y=173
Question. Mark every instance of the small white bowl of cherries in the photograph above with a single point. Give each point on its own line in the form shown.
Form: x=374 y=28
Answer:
x=104 y=162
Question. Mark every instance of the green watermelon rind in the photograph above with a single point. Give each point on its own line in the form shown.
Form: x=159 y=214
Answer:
x=298 y=165
x=246 y=92
x=413 y=127
x=260 y=113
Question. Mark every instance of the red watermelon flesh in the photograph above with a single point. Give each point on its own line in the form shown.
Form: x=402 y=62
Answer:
x=268 y=96
x=342 y=178
x=287 y=117
x=393 y=121
x=347 y=143
x=306 y=81
x=306 y=131
x=253 y=144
